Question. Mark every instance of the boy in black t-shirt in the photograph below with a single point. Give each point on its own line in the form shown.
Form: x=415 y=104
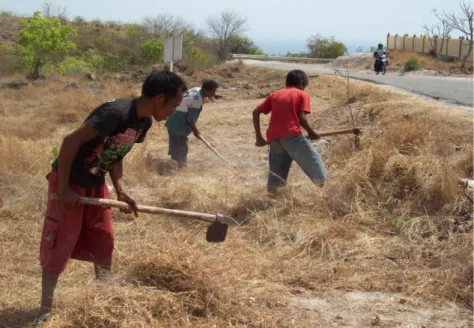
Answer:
x=73 y=230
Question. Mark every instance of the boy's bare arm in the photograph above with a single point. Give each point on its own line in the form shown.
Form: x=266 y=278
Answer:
x=260 y=141
x=116 y=174
x=193 y=126
x=304 y=123
x=68 y=151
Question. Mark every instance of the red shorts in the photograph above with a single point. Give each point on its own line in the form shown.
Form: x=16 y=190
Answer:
x=83 y=233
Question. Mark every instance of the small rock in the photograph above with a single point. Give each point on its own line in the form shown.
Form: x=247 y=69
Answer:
x=15 y=85
x=91 y=77
x=402 y=301
x=297 y=291
x=375 y=321
x=72 y=85
x=38 y=83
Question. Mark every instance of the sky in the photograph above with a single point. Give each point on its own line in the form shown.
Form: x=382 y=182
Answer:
x=277 y=26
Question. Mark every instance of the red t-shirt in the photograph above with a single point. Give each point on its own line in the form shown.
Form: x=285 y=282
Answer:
x=285 y=105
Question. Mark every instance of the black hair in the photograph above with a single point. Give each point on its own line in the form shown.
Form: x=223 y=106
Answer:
x=163 y=83
x=296 y=78
x=210 y=85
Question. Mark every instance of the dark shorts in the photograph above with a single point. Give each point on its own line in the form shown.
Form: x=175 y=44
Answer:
x=178 y=148
x=83 y=233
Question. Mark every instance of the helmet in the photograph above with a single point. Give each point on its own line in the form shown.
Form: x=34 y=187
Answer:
x=380 y=46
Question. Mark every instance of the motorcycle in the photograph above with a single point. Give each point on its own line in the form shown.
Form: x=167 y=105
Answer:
x=381 y=64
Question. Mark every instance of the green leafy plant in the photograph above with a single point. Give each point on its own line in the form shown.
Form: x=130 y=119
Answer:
x=244 y=45
x=412 y=64
x=321 y=47
x=73 y=66
x=152 y=51
x=114 y=63
x=54 y=154
x=41 y=39
x=399 y=221
x=5 y=13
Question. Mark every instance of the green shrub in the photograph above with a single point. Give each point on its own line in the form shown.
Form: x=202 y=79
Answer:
x=152 y=51
x=412 y=64
x=96 y=62
x=113 y=63
x=5 y=13
x=9 y=60
x=73 y=66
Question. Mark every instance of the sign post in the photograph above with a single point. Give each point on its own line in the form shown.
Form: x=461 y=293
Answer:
x=173 y=50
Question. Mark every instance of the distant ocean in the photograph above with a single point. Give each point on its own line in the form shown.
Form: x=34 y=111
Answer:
x=282 y=47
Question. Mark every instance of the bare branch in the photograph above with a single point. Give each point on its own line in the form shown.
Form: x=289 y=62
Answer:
x=222 y=28
x=164 y=26
x=464 y=24
x=48 y=9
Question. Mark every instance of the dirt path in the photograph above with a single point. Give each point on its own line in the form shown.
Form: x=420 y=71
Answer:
x=378 y=309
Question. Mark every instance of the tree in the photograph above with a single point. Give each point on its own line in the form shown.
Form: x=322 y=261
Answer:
x=61 y=11
x=244 y=45
x=438 y=33
x=322 y=47
x=464 y=24
x=41 y=38
x=164 y=26
x=223 y=28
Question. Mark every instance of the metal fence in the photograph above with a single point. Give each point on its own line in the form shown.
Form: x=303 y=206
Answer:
x=281 y=58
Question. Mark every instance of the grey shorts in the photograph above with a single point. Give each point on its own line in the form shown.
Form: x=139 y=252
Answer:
x=178 y=148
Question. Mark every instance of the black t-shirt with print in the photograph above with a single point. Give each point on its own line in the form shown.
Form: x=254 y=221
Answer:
x=118 y=128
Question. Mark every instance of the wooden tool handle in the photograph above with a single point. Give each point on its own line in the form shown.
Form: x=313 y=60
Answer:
x=355 y=131
x=148 y=209
x=214 y=150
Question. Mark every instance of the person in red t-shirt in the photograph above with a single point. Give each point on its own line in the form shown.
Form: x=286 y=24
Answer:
x=288 y=108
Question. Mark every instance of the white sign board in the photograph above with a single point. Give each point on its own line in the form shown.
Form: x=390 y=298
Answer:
x=174 y=49
x=178 y=47
x=168 y=50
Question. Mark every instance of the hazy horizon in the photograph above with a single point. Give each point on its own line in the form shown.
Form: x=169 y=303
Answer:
x=278 y=26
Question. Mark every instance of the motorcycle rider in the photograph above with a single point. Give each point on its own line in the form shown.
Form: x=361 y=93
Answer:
x=377 y=55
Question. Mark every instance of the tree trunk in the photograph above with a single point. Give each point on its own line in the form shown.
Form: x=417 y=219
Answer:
x=467 y=56
x=35 y=74
x=438 y=53
x=464 y=60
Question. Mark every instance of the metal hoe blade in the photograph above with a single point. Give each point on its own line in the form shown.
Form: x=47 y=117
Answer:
x=216 y=232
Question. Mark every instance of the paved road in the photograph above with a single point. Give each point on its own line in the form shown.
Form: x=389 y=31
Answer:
x=453 y=90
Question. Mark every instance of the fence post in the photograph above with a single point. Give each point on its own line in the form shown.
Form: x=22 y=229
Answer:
x=396 y=35
x=423 y=44
x=460 y=47
x=388 y=38
x=413 y=43
x=404 y=42
x=447 y=46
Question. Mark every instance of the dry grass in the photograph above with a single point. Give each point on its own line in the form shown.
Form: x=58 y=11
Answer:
x=389 y=219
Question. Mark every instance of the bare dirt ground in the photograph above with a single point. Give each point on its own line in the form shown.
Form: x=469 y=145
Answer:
x=386 y=243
